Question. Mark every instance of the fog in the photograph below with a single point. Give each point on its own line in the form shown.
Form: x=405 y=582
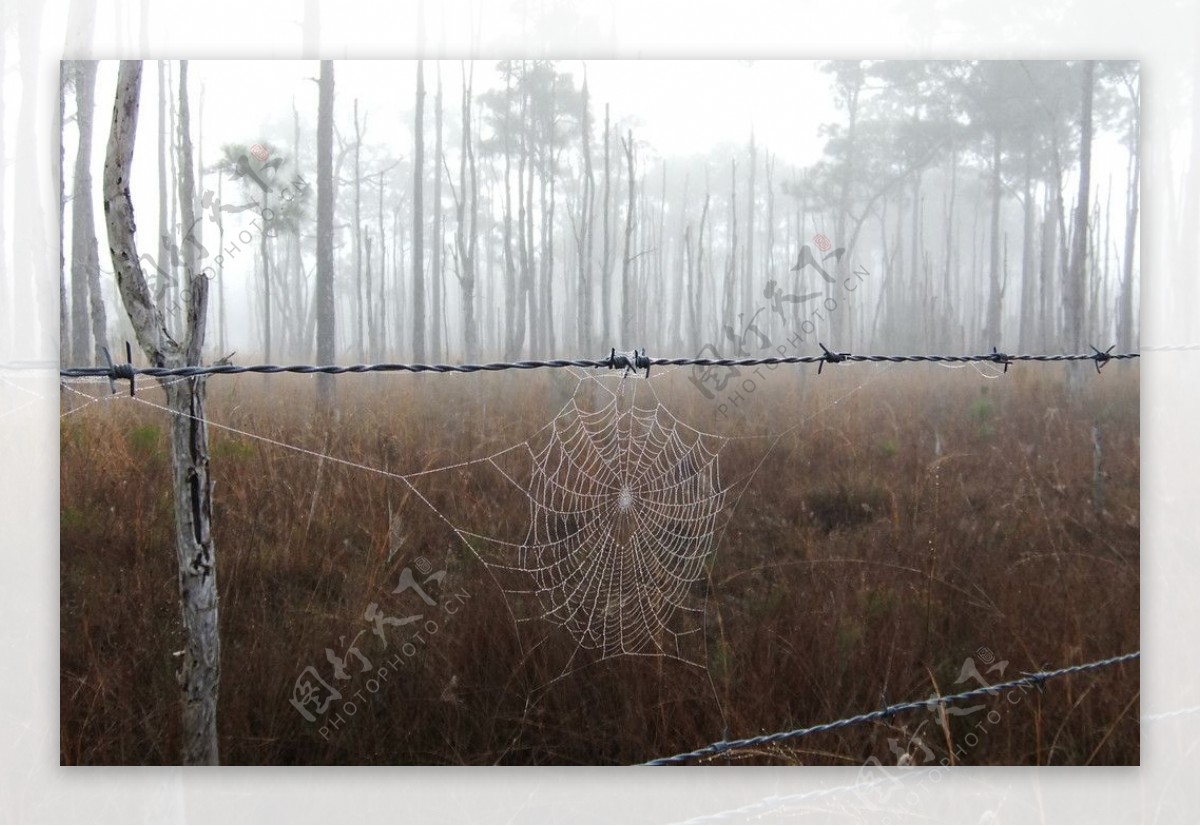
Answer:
x=775 y=204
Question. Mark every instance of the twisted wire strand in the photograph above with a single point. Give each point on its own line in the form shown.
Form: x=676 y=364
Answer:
x=632 y=361
x=1032 y=680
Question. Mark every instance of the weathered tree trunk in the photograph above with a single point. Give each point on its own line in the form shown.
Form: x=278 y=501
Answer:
x=199 y=671
x=166 y=270
x=546 y=167
x=731 y=261
x=949 y=301
x=437 y=284
x=748 y=296
x=698 y=285
x=681 y=260
x=85 y=261
x=587 y=210
x=221 y=269
x=530 y=249
x=325 y=312
x=381 y=340
x=1125 y=324
x=1027 y=253
x=1074 y=294
x=466 y=237
x=65 y=300
x=358 y=264
x=266 y=268
x=626 y=292
x=851 y=92
x=992 y=332
x=418 y=217
x=606 y=251
x=1046 y=310
x=511 y=288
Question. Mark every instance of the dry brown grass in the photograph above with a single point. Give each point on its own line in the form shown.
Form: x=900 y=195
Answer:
x=859 y=564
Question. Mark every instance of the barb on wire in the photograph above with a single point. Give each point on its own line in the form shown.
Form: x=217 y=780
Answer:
x=1031 y=680
x=632 y=361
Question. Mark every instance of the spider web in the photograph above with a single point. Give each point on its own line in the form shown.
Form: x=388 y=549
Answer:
x=622 y=505
x=622 y=512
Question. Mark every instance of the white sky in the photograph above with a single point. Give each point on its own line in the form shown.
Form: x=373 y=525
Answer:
x=679 y=106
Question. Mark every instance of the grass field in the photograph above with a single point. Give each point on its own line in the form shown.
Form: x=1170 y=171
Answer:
x=908 y=520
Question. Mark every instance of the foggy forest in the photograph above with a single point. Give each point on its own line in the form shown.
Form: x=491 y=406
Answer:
x=518 y=215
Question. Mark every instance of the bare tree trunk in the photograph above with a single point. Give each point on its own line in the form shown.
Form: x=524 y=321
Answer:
x=381 y=337
x=605 y=258
x=1046 y=314
x=698 y=284
x=438 y=287
x=992 y=332
x=166 y=272
x=1125 y=325
x=1027 y=252
x=1074 y=294
x=950 y=304
x=546 y=163
x=199 y=672
x=511 y=289
x=587 y=208
x=66 y=70
x=418 y=217
x=626 y=292
x=466 y=238
x=731 y=261
x=683 y=273
x=84 y=255
x=358 y=264
x=325 y=306
x=518 y=341
x=221 y=268
x=748 y=298
x=529 y=249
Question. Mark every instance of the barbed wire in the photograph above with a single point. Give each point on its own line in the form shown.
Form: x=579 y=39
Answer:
x=634 y=361
x=1030 y=680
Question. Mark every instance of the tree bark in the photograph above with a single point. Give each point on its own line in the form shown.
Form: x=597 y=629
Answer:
x=1027 y=252
x=466 y=238
x=66 y=70
x=1125 y=325
x=418 y=217
x=587 y=207
x=1074 y=294
x=992 y=332
x=325 y=308
x=85 y=261
x=731 y=262
x=626 y=292
x=511 y=289
x=748 y=296
x=437 y=284
x=358 y=239
x=166 y=272
x=199 y=671
x=606 y=251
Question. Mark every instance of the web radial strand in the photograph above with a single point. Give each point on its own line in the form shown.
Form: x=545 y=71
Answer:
x=623 y=506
